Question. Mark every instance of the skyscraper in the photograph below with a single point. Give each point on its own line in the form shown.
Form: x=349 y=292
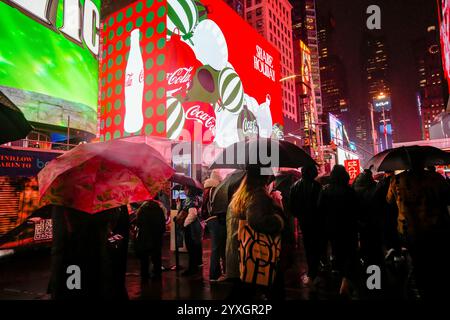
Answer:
x=430 y=96
x=332 y=73
x=272 y=19
x=378 y=91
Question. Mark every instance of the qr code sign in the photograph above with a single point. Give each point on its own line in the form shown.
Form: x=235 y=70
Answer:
x=43 y=230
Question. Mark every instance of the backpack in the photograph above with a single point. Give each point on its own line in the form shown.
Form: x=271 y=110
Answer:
x=259 y=255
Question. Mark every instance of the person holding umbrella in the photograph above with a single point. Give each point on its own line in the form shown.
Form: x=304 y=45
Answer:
x=151 y=225
x=422 y=198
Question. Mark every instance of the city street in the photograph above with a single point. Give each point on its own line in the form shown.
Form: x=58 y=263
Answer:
x=26 y=274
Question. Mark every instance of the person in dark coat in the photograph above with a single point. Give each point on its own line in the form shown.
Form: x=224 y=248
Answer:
x=151 y=225
x=370 y=219
x=339 y=205
x=118 y=250
x=303 y=203
x=80 y=242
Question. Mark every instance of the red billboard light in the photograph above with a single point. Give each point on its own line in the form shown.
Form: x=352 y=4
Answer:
x=191 y=67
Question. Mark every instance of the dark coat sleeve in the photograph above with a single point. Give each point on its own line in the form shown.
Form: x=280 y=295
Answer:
x=264 y=216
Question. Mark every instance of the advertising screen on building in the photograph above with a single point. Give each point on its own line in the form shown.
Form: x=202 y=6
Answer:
x=305 y=67
x=336 y=130
x=48 y=63
x=187 y=70
x=343 y=155
x=381 y=104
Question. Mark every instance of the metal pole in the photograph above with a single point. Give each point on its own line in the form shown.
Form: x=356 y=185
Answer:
x=385 y=130
x=68 y=131
x=374 y=133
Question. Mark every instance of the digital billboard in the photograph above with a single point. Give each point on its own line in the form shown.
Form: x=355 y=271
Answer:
x=445 y=37
x=336 y=130
x=305 y=67
x=187 y=70
x=381 y=104
x=48 y=59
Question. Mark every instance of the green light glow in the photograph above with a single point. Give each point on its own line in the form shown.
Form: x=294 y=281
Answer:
x=38 y=59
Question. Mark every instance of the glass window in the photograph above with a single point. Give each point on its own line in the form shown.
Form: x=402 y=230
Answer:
x=258 y=12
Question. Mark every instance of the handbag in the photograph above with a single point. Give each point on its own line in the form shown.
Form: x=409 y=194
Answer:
x=259 y=255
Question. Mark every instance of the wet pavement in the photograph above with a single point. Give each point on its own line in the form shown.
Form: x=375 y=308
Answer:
x=25 y=275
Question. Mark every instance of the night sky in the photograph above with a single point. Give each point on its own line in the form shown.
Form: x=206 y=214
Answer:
x=402 y=22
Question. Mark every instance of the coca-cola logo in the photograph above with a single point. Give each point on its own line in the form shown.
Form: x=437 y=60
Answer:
x=249 y=127
x=180 y=76
x=130 y=77
x=195 y=113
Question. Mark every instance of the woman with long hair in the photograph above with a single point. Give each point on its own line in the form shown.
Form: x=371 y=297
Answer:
x=261 y=220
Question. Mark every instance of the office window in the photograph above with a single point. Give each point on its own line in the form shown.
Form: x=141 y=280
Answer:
x=249 y=3
x=249 y=15
x=258 y=12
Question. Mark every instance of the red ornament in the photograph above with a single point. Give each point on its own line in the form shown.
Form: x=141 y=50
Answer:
x=181 y=67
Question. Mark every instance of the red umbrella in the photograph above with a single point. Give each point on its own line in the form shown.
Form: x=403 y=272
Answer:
x=98 y=176
x=186 y=181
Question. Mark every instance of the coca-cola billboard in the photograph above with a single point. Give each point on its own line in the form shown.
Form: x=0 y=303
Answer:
x=445 y=38
x=207 y=75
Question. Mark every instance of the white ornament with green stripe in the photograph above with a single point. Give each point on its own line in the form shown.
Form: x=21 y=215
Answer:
x=175 y=118
x=182 y=15
x=231 y=90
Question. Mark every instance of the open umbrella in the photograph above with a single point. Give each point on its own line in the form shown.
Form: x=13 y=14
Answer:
x=98 y=176
x=402 y=158
x=186 y=181
x=263 y=152
x=13 y=125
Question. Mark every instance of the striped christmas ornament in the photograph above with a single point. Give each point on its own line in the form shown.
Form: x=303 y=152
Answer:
x=231 y=90
x=175 y=118
x=182 y=15
x=202 y=11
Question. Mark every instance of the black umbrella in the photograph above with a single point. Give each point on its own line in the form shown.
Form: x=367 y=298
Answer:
x=402 y=158
x=263 y=152
x=186 y=181
x=225 y=190
x=13 y=124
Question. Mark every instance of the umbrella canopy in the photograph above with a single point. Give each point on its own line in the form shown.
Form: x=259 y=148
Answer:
x=225 y=190
x=13 y=124
x=264 y=152
x=402 y=158
x=186 y=181
x=98 y=176
x=285 y=179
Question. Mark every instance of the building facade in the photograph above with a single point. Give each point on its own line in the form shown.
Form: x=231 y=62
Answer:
x=430 y=96
x=237 y=5
x=272 y=19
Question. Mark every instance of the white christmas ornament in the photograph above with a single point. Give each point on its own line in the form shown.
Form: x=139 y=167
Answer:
x=175 y=118
x=264 y=118
x=209 y=45
x=226 y=128
x=231 y=90
x=182 y=17
x=251 y=103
